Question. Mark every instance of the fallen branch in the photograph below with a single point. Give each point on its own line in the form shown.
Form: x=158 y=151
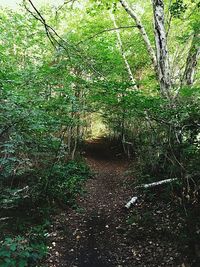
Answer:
x=5 y=219
x=157 y=183
x=131 y=202
x=26 y=188
x=134 y=199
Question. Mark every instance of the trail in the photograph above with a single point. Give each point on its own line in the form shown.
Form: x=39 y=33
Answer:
x=99 y=232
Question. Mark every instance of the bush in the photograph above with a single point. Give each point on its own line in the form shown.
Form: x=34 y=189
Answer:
x=62 y=183
x=19 y=251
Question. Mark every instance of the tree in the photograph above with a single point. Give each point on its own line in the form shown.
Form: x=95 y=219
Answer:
x=160 y=57
x=192 y=60
x=161 y=48
x=122 y=52
x=142 y=30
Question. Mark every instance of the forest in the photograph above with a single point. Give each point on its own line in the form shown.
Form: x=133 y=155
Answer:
x=99 y=133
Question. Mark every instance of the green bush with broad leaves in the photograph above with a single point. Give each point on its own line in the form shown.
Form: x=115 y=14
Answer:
x=20 y=252
x=62 y=183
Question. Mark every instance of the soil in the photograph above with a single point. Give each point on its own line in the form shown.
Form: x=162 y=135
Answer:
x=101 y=232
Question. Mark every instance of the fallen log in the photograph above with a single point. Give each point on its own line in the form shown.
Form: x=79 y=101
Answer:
x=131 y=202
x=157 y=183
x=134 y=199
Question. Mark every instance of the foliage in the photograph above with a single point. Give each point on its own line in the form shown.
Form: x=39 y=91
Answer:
x=55 y=77
x=165 y=136
x=63 y=183
x=20 y=251
x=178 y=8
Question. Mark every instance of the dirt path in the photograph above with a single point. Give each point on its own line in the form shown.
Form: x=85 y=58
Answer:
x=100 y=232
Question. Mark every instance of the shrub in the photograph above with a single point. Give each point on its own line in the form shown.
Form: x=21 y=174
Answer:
x=19 y=251
x=62 y=183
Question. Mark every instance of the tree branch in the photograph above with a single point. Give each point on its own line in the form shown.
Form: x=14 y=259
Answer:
x=48 y=29
x=192 y=60
x=107 y=30
x=61 y=43
x=65 y=3
x=122 y=52
x=143 y=32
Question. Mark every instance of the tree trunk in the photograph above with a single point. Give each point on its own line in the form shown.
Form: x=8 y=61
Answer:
x=192 y=60
x=123 y=53
x=142 y=30
x=161 y=48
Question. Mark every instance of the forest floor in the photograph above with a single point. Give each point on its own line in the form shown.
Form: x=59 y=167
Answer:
x=100 y=232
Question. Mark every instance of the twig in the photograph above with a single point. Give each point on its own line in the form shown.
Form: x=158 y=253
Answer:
x=65 y=3
x=107 y=30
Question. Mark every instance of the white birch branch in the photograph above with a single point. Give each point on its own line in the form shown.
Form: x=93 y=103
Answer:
x=157 y=183
x=112 y=16
x=143 y=32
x=134 y=199
x=5 y=219
x=26 y=188
x=131 y=202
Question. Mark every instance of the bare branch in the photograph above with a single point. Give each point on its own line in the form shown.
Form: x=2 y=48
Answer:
x=65 y=3
x=52 y=35
x=48 y=29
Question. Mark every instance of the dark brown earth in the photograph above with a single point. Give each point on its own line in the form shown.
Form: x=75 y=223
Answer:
x=100 y=232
